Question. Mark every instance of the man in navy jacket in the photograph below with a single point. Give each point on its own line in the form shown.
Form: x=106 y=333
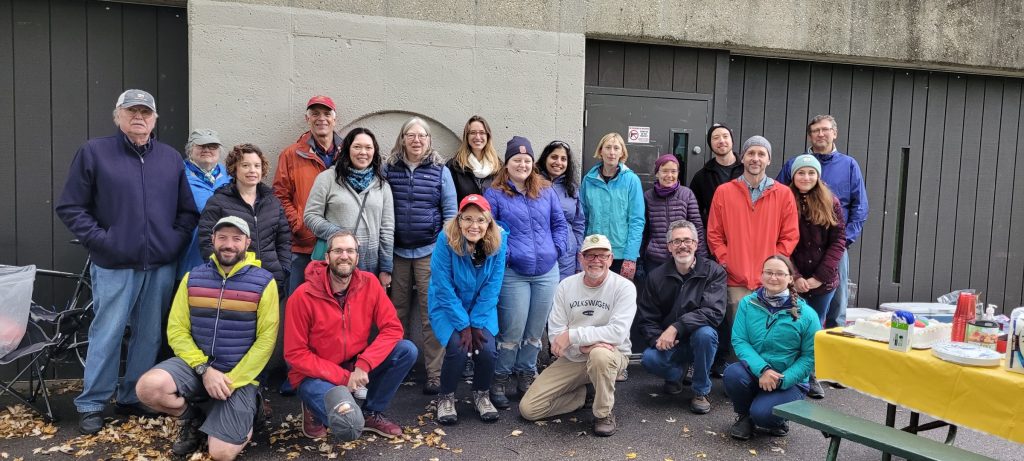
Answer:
x=128 y=201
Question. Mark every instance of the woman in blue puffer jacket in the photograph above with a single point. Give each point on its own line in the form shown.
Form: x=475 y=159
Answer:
x=556 y=165
x=526 y=205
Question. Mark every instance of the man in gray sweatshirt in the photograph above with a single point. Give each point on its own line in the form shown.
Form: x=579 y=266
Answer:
x=589 y=332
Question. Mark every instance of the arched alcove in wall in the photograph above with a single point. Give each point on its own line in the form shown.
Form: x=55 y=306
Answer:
x=386 y=124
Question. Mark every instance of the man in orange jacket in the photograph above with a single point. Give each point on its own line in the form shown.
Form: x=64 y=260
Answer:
x=752 y=217
x=327 y=344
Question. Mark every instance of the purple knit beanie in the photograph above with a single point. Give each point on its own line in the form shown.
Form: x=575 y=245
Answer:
x=663 y=160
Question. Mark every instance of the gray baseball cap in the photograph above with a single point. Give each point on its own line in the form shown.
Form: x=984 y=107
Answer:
x=233 y=221
x=132 y=98
x=202 y=137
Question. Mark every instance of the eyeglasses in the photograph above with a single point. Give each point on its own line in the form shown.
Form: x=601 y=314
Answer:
x=597 y=257
x=469 y=220
x=685 y=241
x=139 y=111
x=561 y=144
x=412 y=136
x=774 y=275
x=821 y=130
x=209 y=147
x=477 y=133
x=343 y=251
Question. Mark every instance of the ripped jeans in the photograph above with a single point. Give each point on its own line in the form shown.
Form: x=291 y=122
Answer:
x=523 y=308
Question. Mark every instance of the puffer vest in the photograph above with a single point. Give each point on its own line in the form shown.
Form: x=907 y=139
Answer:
x=417 y=198
x=223 y=311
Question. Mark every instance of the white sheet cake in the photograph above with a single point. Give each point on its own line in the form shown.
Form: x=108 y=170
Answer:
x=926 y=332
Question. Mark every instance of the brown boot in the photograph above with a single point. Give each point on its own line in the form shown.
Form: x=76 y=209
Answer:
x=605 y=427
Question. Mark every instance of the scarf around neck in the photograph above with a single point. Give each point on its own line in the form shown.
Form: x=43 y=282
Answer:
x=360 y=179
x=777 y=302
x=663 y=191
x=210 y=177
x=480 y=169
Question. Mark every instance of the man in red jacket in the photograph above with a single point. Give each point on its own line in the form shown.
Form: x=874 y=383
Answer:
x=752 y=217
x=326 y=343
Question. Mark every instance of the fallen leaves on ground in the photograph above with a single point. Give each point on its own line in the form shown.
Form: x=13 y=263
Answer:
x=752 y=452
x=133 y=439
x=631 y=455
x=19 y=421
x=287 y=438
x=516 y=433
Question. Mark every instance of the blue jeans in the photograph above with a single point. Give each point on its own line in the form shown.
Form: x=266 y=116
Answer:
x=836 y=315
x=523 y=308
x=749 y=399
x=384 y=382
x=820 y=304
x=123 y=297
x=298 y=273
x=455 y=362
x=671 y=365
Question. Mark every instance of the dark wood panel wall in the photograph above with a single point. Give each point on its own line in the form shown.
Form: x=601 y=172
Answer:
x=939 y=152
x=62 y=65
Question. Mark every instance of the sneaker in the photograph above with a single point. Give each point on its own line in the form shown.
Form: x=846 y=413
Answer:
x=432 y=386
x=484 y=407
x=310 y=426
x=605 y=427
x=135 y=409
x=718 y=369
x=524 y=380
x=780 y=431
x=700 y=404
x=688 y=378
x=189 y=438
x=623 y=376
x=837 y=386
x=467 y=372
x=742 y=429
x=588 y=401
x=498 y=388
x=446 y=413
x=90 y=423
x=672 y=387
x=816 y=390
x=376 y=422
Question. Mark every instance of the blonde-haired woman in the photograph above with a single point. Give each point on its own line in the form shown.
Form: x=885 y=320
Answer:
x=467 y=270
x=476 y=162
x=613 y=201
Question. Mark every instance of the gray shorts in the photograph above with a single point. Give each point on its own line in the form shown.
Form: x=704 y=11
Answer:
x=228 y=420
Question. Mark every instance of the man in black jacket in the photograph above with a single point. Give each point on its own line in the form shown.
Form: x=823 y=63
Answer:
x=679 y=310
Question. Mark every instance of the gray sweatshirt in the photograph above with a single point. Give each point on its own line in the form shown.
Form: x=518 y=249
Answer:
x=332 y=207
x=602 y=314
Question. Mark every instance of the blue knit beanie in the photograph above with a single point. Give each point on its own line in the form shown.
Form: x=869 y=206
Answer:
x=518 y=145
x=805 y=160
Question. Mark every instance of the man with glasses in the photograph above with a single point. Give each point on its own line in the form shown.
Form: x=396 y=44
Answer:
x=128 y=201
x=679 y=310
x=843 y=176
x=589 y=333
x=752 y=217
x=327 y=344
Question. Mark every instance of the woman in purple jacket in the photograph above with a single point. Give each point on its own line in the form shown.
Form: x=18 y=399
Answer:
x=668 y=201
x=821 y=245
x=556 y=165
x=524 y=204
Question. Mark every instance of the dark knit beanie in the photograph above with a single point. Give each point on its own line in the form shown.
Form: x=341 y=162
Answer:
x=717 y=126
x=518 y=145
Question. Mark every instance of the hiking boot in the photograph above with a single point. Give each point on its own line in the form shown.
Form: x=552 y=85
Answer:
x=718 y=369
x=376 y=422
x=446 y=413
x=310 y=426
x=700 y=404
x=524 y=379
x=467 y=372
x=780 y=431
x=623 y=376
x=605 y=427
x=432 y=386
x=90 y=423
x=688 y=378
x=672 y=387
x=498 y=388
x=588 y=401
x=816 y=390
x=189 y=438
x=743 y=428
x=484 y=407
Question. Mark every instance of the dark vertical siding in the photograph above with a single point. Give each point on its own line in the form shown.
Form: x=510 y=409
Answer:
x=1001 y=279
x=8 y=234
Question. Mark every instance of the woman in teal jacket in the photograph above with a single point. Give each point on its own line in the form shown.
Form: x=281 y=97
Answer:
x=613 y=202
x=466 y=277
x=773 y=336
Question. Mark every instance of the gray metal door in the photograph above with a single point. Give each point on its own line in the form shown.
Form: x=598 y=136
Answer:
x=673 y=123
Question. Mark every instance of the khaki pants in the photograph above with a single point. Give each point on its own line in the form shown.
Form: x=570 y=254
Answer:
x=406 y=272
x=725 y=352
x=561 y=387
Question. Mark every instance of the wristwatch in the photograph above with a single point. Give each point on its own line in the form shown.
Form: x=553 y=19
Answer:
x=201 y=368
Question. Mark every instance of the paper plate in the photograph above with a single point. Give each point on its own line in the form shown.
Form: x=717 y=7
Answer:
x=967 y=354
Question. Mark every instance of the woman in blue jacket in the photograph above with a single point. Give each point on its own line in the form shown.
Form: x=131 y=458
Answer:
x=613 y=201
x=773 y=336
x=526 y=205
x=466 y=274
x=556 y=165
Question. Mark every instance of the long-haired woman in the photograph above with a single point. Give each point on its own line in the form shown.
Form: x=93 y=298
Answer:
x=556 y=165
x=476 y=162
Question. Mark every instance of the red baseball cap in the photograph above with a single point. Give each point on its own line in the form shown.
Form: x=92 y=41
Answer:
x=474 y=199
x=322 y=100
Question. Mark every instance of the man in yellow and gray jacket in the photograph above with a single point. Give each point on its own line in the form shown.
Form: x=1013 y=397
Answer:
x=222 y=327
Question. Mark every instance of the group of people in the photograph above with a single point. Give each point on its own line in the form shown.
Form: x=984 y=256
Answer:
x=315 y=277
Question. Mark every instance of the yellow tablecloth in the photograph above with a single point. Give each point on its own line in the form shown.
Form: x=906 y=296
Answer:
x=990 y=400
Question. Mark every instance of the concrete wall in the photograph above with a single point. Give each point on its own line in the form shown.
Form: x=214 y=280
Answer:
x=253 y=66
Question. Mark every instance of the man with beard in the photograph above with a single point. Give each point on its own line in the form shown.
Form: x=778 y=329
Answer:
x=589 y=333
x=222 y=328
x=751 y=218
x=327 y=344
x=720 y=169
x=679 y=310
